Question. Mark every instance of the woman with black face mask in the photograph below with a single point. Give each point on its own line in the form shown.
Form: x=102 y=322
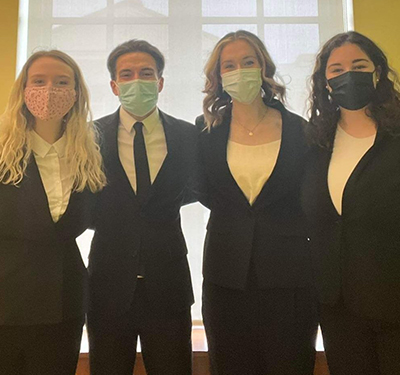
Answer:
x=351 y=196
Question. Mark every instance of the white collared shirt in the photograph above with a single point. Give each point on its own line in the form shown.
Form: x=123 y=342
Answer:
x=54 y=172
x=154 y=138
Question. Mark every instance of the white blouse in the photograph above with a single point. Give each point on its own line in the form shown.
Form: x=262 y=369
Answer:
x=347 y=152
x=251 y=166
x=54 y=172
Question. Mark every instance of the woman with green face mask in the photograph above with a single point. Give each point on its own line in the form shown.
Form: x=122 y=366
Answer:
x=257 y=302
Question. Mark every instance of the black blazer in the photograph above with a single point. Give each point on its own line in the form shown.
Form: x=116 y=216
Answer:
x=356 y=256
x=271 y=233
x=42 y=276
x=126 y=232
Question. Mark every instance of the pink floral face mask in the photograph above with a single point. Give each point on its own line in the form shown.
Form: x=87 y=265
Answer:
x=49 y=103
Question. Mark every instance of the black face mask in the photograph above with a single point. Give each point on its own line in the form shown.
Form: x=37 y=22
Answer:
x=352 y=90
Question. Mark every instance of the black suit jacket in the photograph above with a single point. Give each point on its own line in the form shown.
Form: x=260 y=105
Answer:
x=356 y=256
x=126 y=231
x=271 y=233
x=42 y=276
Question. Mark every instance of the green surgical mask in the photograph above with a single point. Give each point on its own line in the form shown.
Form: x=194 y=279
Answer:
x=139 y=96
x=243 y=85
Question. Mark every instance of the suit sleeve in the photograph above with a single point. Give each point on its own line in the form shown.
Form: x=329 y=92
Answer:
x=199 y=181
x=190 y=195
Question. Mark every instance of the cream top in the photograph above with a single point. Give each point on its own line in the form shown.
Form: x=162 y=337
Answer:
x=251 y=166
x=347 y=152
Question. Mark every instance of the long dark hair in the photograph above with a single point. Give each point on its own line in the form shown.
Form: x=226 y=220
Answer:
x=384 y=108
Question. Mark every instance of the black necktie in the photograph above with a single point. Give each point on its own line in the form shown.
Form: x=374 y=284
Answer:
x=143 y=181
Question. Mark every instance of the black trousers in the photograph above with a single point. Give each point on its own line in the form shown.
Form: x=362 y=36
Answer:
x=259 y=332
x=165 y=340
x=357 y=345
x=45 y=349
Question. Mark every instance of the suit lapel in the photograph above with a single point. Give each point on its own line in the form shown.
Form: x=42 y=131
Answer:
x=323 y=159
x=113 y=164
x=218 y=157
x=109 y=145
x=286 y=166
x=172 y=139
x=33 y=189
x=76 y=201
x=287 y=163
x=354 y=178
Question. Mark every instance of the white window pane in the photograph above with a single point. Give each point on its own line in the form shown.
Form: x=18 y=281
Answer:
x=79 y=8
x=83 y=242
x=285 y=42
x=102 y=100
x=213 y=33
x=291 y=8
x=293 y=48
x=194 y=221
x=229 y=8
x=154 y=34
x=218 y=31
x=79 y=37
x=140 y=8
x=94 y=70
x=296 y=76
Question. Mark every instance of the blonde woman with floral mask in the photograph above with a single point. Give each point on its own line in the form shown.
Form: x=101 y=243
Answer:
x=257 y=302
x=50 y=166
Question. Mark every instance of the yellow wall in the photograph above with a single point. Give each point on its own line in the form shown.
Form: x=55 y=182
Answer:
x=8 y=47
x=379 y=20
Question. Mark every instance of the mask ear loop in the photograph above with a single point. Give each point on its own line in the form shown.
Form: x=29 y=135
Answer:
x=329 y=89
x=375 y=75
x=264 y=95
x=117 y=86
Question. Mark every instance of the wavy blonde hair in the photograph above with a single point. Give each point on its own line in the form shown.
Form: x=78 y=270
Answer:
x=82 y=150
x=217 y=100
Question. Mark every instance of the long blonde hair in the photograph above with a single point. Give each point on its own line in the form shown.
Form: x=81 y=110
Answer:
x=82 y=150
x=217 y=100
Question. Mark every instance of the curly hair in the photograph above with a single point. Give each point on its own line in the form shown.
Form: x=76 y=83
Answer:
x=82 y=149
x=384 y=108
x=217 y=101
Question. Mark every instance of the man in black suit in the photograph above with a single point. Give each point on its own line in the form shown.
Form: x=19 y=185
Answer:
x=138 y=271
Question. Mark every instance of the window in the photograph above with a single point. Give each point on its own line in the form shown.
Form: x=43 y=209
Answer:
x=185 y=31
